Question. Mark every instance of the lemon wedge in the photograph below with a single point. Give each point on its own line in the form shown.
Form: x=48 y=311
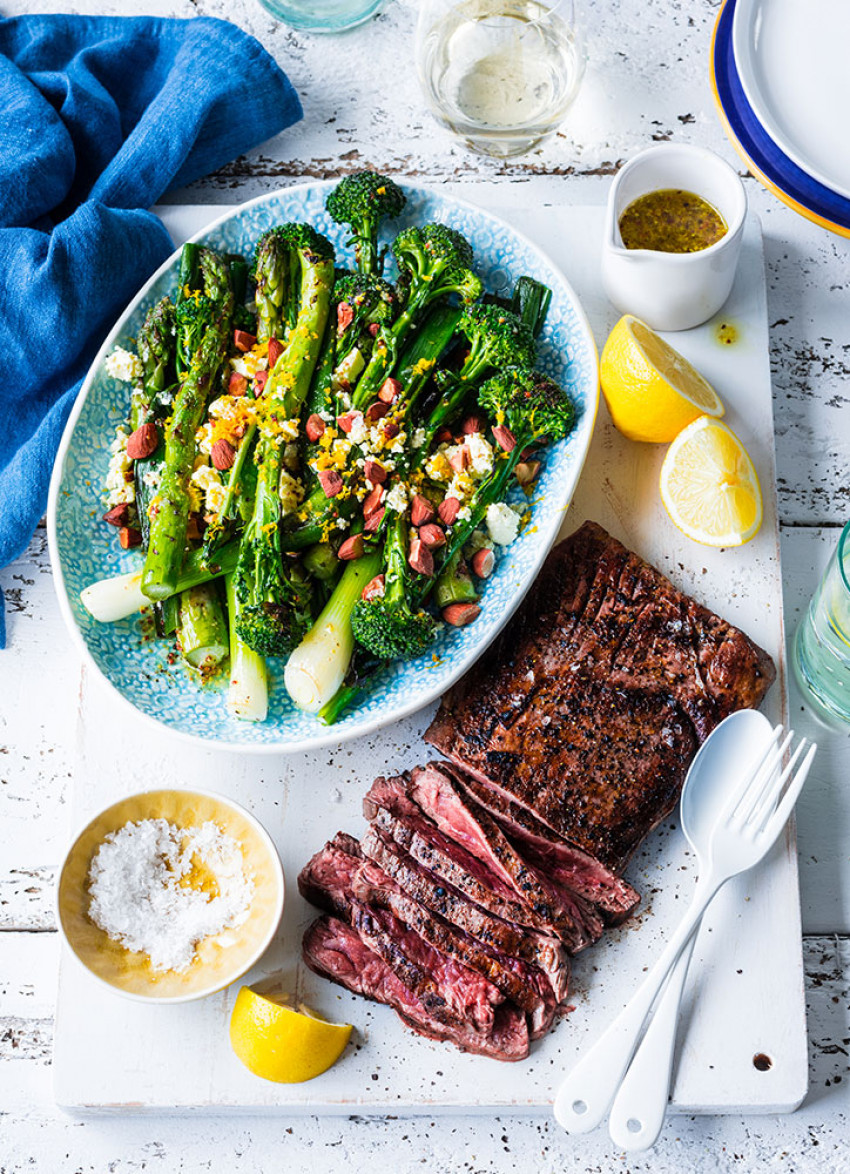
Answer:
x=709 y=485
x=652 y=391
x=281 y=1044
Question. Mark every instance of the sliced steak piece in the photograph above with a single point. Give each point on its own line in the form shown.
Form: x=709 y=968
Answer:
x=325 y=880
x=442 y=983
x=575 y=921
x=545 y=849
x=589 y=707
x=333 y=950
x=546 y=953
x=515 y=979
x=394 y=812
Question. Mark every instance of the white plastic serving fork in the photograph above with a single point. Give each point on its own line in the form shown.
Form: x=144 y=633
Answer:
x=732 y=838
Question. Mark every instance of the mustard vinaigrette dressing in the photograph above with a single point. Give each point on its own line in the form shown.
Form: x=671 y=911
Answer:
x=671 y=220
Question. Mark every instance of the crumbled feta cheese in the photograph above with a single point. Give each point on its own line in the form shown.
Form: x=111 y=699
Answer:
x=119 y=474
x=480 y=454
x=438 y=468
x=207 y=479
x=502 y=523
x=123 y=365
x=249 y=364
x=203 y=438
x=153 y=477
x=289 y=429
x=464 y=513
x=396 y=499
x=359 y=432
x=291 y=492
x=326 y=416
x=419 y=437
x=461 y=486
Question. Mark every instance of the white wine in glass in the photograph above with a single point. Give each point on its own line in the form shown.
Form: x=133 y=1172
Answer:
x=500 y=73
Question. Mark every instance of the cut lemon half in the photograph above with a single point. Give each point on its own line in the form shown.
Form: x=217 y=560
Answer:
x=709 y=485
x=652 y=391
x=281 y=1044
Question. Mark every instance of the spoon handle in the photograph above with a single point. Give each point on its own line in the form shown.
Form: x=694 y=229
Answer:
x=587 y=1091
x=640 y=1106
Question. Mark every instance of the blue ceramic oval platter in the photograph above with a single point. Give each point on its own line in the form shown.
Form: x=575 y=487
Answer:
x=84 y=550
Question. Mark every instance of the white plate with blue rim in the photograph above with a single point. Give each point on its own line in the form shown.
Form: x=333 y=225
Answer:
x=84 y=550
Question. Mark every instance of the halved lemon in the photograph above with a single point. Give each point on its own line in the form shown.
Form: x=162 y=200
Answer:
x=652 y=391
x=282 y=1044
x=709 y=485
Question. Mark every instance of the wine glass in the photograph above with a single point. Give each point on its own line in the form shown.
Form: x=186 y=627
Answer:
x=500 y=73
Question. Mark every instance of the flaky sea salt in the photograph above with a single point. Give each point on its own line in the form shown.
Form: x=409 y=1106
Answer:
x=160 y=889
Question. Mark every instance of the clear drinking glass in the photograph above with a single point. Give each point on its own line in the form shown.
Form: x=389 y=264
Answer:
x=500 y=73
x=323 y=16
x=821 y=654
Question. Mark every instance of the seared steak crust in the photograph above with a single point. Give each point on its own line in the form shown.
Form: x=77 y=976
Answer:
x=591 y=704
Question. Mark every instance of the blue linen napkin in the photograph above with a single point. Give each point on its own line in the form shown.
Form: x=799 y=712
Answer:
x=101 y=116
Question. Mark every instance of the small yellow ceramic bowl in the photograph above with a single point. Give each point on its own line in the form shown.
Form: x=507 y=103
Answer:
x=219 y=960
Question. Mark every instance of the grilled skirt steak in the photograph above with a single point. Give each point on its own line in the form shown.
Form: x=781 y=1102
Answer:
x=333 y=950
x=392 y=811
x=546 y=953
x=568 y=916
x=442 y=983
x=590 y=706
x=564 y=862
x=515 y=979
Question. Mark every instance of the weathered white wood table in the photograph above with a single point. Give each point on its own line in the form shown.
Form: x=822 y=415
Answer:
x=647 y=80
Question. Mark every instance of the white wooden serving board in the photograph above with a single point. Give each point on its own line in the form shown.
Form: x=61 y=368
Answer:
x=746 y=991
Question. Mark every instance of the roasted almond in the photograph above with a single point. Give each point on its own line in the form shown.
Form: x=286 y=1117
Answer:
x=237 y=384
x=314 y=428
x=222 y=455
x=390 y=429
x=344 y=316
x=118 y=515
x=275 y=351
x=375 y=472
x=448 y=510
x=432 y=535
x=472 y=424
x=330 y=481
x=483 y=562
x=352 y=548
x=376 y=411
x=260 y=381
x=460 y=459
x=143 y=441
x=243 y=341
x=461 y=614
x=129 y=537
x=420 y=558
x=421 y=510
x=526 y=471
x=504 y=437
x=375 y=587
x=347 y=420
x=373 y=523
x=390 y=390
x=372 y=500
x=443 y=435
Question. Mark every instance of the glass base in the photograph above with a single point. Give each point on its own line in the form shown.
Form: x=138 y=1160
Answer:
x=332 y=16
x=818 y=703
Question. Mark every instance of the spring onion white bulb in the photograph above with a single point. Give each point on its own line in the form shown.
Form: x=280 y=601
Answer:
x=248 y=691
x=116 y=598
x=317 y=667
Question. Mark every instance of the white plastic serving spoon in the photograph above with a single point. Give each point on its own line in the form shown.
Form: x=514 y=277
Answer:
x=737 y=803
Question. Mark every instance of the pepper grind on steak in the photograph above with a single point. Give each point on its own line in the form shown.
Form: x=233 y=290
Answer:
x=569 y=741
x=590 y=706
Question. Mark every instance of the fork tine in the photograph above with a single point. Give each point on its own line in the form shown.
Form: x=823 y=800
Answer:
x=772 y=795
x=751 y=800
x=780 y=816
x=733 y=802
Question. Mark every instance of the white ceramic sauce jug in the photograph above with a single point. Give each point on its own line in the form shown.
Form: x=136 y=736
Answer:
x=673 y=291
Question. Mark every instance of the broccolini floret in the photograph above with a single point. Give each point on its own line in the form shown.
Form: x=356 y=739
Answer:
x=386 y=625
x=362 y=202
